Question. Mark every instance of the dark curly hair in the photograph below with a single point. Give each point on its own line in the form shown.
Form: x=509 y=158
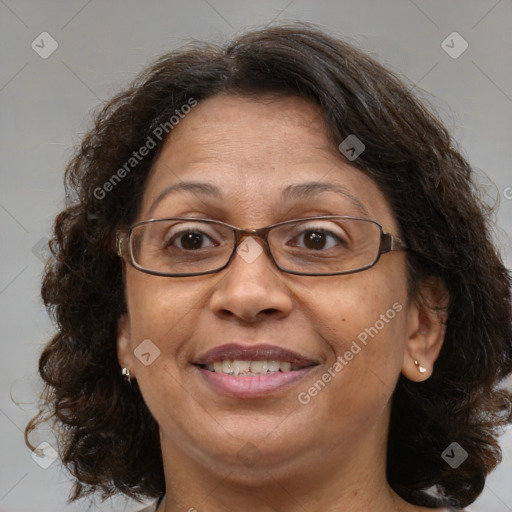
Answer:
x=107 y=437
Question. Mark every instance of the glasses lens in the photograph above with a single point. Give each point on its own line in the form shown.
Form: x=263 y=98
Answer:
x=325 y=246
x=181 y=247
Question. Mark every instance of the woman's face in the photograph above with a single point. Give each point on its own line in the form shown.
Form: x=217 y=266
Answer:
x=251 y=150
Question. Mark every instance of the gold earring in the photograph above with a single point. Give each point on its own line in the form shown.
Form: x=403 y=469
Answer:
x=127 y=374
x=421 y=369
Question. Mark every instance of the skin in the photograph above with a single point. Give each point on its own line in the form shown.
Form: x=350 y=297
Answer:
x=329 y=454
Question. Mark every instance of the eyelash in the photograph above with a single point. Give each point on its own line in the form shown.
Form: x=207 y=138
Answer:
x=315 y=229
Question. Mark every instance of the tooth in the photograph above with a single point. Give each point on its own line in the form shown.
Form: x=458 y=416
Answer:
x=241 y=366
x=273 y=366
x=227 y=366
x=285 y=366
x=259 y=366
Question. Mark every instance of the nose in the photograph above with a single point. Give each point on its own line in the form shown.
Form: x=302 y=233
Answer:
x=251 y=287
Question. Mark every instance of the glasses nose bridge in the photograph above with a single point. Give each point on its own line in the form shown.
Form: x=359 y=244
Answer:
x=261 y=233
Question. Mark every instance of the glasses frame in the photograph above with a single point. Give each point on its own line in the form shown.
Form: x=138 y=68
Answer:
x=388 y=243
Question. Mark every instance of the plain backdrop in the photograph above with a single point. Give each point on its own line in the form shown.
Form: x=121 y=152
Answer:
x=102 y=44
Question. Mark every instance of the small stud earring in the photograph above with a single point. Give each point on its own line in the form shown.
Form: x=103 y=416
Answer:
x=127 y=374
x=421 y=369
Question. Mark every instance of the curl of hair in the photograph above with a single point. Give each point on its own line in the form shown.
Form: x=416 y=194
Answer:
x=107 y=437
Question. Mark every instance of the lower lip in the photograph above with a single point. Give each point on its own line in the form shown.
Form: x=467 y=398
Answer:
x=250 y=387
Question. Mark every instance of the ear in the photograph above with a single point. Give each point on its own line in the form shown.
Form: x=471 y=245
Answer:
x=426 y=326
x=124 y=346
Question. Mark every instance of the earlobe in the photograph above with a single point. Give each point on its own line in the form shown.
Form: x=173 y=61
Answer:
x=426 y=327
x=124 y=351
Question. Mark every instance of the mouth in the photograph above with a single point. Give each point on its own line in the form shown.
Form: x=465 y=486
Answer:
x=251 y=371
x=246 y=368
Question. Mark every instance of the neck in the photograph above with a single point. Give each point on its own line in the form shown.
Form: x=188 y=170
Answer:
x=350 y=476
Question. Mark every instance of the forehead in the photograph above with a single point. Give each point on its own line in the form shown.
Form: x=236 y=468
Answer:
x=260 y=154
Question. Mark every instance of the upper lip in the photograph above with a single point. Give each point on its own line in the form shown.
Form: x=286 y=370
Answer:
x=262 y=352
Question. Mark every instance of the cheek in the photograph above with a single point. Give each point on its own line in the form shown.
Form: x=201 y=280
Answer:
x=363 y=324
x=165 y=312
x=162 y=319
x=155 y=303
x=360 y=303
x=362 y=319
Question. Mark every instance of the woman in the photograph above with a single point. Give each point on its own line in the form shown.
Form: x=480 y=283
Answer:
x=275 y=289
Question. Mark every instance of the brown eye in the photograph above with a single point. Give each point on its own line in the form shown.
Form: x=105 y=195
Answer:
x=188 y=240
x=316 y=238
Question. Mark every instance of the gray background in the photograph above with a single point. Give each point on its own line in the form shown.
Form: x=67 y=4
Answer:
x=101 y=45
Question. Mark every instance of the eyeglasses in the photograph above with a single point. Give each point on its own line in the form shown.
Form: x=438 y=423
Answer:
x=312 y=246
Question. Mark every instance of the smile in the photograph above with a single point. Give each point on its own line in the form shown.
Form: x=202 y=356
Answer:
x=247 y=371
x=251 y=368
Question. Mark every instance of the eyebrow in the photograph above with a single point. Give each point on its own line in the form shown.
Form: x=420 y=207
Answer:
x=312 y=188
x=300 y=190
x=195 y=187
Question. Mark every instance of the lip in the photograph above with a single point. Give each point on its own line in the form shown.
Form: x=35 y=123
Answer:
x=252 y=387
x=261 y=352
x=245 y=386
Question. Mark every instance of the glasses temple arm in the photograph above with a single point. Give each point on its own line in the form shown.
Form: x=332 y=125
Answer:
x=121 y=243
x=392 y=243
